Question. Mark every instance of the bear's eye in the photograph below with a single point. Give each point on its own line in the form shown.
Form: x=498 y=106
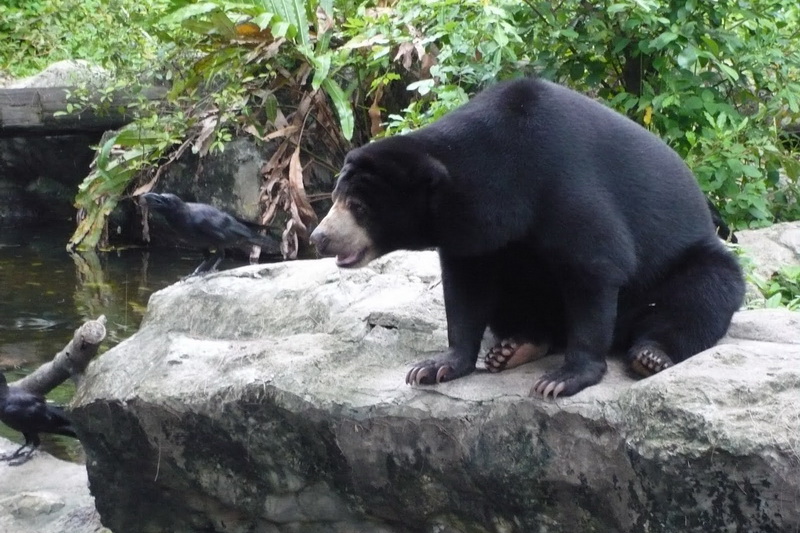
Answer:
x=356 y=207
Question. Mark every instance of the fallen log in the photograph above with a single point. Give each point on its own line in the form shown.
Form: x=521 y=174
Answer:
x=43 y=111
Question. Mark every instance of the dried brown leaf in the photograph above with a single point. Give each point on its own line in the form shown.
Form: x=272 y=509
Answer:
x=204 y=139
x=324 y=20
x=427 y=61
x=265 y=51
x=281 y=132
x=275 y=162
x=305 y=213
x=405 y=54
x=374 y=111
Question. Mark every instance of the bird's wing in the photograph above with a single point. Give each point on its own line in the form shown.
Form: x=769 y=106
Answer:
x=227 y=230
x=23 y=411
x=217 y=225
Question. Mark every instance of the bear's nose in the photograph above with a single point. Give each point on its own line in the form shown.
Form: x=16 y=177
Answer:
x=319 y=240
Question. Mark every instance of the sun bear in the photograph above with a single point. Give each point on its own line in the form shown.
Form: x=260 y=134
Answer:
x=560 y=224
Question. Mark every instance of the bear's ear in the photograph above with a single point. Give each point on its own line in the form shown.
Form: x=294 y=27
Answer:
x=438 y=180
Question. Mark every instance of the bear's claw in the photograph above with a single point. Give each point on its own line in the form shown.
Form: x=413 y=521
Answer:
x=544 y=387
x=419 y=374
x=648 y=360
x=568 y=380
x=447 y=367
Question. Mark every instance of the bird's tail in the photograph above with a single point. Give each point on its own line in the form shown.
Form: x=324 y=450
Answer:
x=68 y=431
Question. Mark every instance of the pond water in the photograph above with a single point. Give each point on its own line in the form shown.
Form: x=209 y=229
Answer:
x=47 y=293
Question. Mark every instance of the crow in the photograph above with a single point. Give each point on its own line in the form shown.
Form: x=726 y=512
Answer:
x=30 y=414
x=206 y=227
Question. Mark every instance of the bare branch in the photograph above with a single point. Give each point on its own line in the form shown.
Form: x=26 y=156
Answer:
x=69 y=362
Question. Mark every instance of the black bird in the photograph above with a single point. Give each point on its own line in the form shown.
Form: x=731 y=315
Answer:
x=30 y=414
x=206 y=227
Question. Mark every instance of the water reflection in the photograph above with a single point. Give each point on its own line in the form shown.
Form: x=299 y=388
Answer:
x=46 y=293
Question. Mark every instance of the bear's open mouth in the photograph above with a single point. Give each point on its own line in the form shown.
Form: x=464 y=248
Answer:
x=350 y=260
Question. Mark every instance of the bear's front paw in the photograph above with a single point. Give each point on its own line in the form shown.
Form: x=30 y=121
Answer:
x=567 y=381
x=445 y=368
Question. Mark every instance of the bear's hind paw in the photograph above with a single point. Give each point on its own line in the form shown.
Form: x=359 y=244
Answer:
x=647 y=360
x=510 y=353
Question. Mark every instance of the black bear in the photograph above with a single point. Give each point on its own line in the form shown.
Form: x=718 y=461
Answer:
x=560 y=224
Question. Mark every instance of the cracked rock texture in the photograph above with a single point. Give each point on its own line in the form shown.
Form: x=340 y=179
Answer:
x=271 y=398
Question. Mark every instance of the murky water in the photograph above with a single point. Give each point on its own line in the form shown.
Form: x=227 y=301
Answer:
x=46 y=293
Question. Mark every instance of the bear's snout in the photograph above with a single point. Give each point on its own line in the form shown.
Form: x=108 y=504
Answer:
x=320 y=241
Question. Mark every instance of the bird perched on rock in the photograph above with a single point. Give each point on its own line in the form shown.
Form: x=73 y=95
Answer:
x=30 y=414
x=206 y=227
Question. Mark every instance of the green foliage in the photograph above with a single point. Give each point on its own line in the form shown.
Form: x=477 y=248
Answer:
x=224 y=62
x=111 y=33
x=782 y=289
x=716 y=80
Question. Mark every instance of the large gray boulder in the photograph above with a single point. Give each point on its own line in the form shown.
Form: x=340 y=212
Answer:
x=271 y=398
x=772 y=248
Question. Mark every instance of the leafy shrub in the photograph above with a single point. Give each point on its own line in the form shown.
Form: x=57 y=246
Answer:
x=782 y=289
x=717 y=80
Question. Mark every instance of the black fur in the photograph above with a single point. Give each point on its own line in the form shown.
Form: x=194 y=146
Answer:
x=556 y=219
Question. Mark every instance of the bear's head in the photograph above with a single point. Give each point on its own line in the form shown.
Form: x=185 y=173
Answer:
x=383 y=201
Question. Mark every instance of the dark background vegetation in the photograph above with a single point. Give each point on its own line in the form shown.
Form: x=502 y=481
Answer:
x=718 y=81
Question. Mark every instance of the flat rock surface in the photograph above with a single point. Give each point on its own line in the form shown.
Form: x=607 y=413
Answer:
x=272 y=398
x=45 y=495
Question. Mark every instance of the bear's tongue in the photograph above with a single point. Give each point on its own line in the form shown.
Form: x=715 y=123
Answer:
x=343 y=260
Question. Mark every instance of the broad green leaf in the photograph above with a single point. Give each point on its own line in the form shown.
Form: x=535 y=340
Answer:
x=687 y=58
x=751 y=172
x=89 y=231
x=322 y=67
x=663 y=40
x=271 y=107
x=729 y=71
x=102 y=157
x=693 y=103
x=135 y=137
x=189 y=11
x=293 y=12
x=262 y=20
x=342 y=105
x=617 y=8
x=224 y=25
x=280 y=28
x=773 y=301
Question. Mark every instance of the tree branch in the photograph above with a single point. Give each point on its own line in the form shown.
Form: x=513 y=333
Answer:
x=69 y=362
